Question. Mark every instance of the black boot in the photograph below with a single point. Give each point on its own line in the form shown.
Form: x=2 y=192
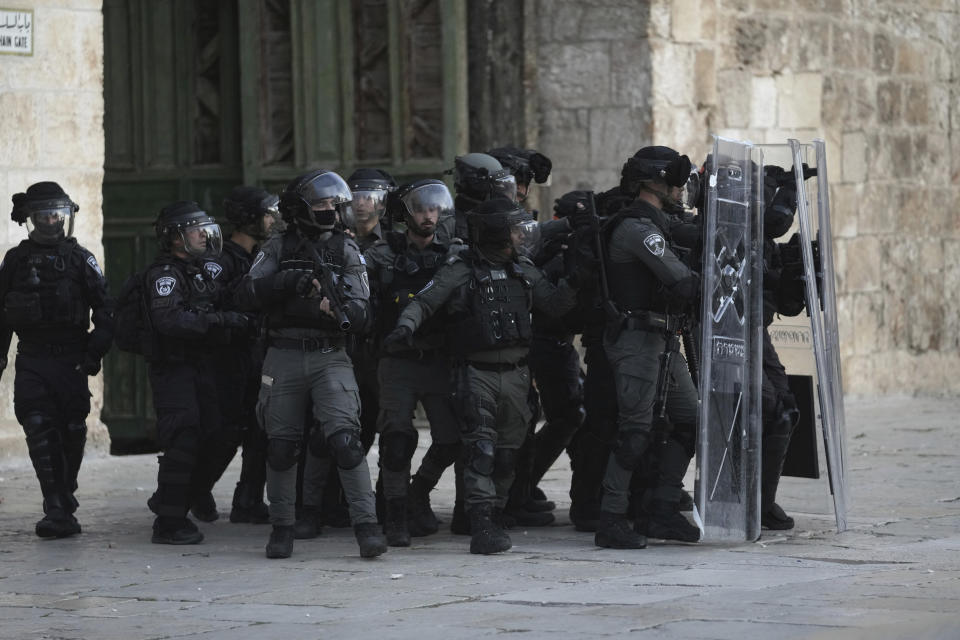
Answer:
x=58 y=520
x=665 y=522
x=775 y=519
x=173 y=530
x=395 y=525
x=421 y=520
x=307 y=525
x=204 y=507
x=614 y=532
x=460 y=524
x=538 y=501
x=487 y=537
x=280 y=544
x=370 y=540
x=686 y=501
x=248 y=505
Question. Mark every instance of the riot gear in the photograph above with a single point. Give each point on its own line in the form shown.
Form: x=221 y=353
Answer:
x=421 y=197
x=656 y=170
x=197 y=232
x=370 y=188
x=246 y=207
x=479 y=176
x=47 y=211
x=492 y=223
x=313 y=201
x=526 y=165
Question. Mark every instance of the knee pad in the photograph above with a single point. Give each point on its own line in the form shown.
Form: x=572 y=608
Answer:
x=282 y=454
x=396 y=449
x=35 y=424
x=631 y=446
x=347 y=448
x=480 y=456
x=443 y=455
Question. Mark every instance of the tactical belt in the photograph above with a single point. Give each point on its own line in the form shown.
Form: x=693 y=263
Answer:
x=307 y=344
x=420 y=355
x=497 y=366
x=38 y=349
x=651 y=321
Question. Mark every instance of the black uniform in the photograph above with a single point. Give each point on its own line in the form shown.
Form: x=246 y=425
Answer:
x=48 y=292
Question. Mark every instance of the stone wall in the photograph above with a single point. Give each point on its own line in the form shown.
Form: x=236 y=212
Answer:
x=877 y=79
x=51 y=112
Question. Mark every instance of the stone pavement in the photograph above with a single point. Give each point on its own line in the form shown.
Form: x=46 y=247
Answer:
x=894 y=574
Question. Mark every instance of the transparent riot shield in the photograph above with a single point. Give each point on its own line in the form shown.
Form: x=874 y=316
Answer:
x=822 y=308
x=728 y=445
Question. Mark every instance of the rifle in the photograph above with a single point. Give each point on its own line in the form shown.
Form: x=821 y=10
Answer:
x=328 y=287
x=610 y=310
x=670 y=347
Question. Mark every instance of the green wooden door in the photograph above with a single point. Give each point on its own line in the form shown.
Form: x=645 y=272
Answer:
x=203 y=95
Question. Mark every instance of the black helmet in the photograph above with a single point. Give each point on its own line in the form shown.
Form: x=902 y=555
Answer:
x=526 y=165
x=423 y=195
x=313 y=200
x=653 y=166
x=370 y=188
x=480 y=176
x=197 y=231
x=245 y=208
x=46 y=210
x=490 y=224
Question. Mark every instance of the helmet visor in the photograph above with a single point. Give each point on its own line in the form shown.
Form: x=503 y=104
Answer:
x=505 y=187
x=50 y=223
x=525 y=236
x=202 y=240
x=326 y=187
x=428 y=198
x=369 y=204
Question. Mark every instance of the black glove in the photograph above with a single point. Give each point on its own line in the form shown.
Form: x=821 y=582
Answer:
x=541 y=166
x=398 y=339
x=90 y=365
x=293 y=280
x=571 y=204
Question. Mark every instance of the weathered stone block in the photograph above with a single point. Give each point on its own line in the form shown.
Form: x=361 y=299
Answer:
x=704 y=77
x=733 y=98
x=869 y=336
x=844 y=208
x=72 y=128
x=812 y=51
x=863 y=253
x=884 y=53
x=21 y=119
x=851 y=46
x=916 y=107
x=854 y=157
x=691 y=20
x=613 y=20
x=575 y=75
x=630 y=80
x=910 y=59
x=559 y=20
x=660 y=16
x=763 y=102
x=669 y=86
x=799 y=104
x=614 y=134
x=564 y=136
x=889 y=108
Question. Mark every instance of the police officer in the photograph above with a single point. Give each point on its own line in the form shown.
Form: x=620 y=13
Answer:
x=252 y=212
x=420 y=372
x=649 y=287
x=488 y=292
x=526 y=165
x=477 y=177
x=312 y=285
x=183 y=302
x=48 y=286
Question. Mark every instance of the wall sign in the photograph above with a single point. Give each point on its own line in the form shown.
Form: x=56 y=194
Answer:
x=16 y=32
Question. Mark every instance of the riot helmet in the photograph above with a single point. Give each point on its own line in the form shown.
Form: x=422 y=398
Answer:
x=251 y=210
x=47 y=211
x=479 y=177
x=657 y=170
x=423 y=204
x=370 y=188
x=526 y=165
x=185 y=225
x=495 y=223
x=313 y=201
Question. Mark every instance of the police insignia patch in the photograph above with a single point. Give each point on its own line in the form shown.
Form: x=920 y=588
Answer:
x=655 y=244
x=213 y=269
x=93 y=265
x=165 y=285
x=260 y=256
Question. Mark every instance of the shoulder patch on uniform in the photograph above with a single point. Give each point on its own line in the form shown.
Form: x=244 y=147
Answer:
x=425 y=287
x=655 y=244
x=93 y=265
x=260 y=256
x=363 y=260
x=165 y=285
x=453 y=258
x=213 y=269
